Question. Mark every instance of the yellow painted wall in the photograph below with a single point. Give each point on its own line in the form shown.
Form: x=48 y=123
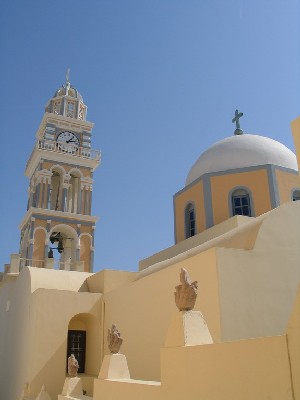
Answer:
x=296 y=135
x=250 y=369
x=255 y=181
x=48 y=336
x=192 y=194
x=86 y=229
x=85 y=252
x=40 y=222
x=286 y=182
x=39 y=247
x=142 y=311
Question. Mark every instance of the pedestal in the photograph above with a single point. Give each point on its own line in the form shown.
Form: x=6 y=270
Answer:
x=114 y=366
x=72 y=387
x=188 y=328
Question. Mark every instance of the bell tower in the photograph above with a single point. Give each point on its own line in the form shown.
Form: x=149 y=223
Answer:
x=57 y=230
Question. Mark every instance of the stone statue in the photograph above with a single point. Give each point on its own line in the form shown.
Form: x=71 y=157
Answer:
x=73 y=366
x=114 y=340
x=186 y=293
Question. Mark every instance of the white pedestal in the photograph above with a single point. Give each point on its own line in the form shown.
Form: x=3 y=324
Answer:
x=188 y=328
x=43 y=395
x=72 y=387
x=114 y=366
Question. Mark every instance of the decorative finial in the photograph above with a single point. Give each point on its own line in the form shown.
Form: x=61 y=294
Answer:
x=236 y=119
x=68 y=75
x=186 y=293
x=73 y=366
x=114 y=340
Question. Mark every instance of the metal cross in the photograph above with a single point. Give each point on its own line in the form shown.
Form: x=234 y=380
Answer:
x=236 y=119
x=68 y=75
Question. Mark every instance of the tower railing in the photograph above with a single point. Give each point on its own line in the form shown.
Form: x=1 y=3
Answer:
x=63 y=148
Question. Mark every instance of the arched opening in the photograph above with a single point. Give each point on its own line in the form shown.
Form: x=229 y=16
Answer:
x=73 y=193
x=62 y=247
x=296 y=195
x=85 y=343
x=190 y=221
x=240 y=201
x=55 y=195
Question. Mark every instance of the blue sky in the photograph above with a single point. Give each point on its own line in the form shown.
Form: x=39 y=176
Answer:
x=162 y=79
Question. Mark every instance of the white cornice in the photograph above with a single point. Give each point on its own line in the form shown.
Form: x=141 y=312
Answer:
x=63 y=122
x=38 y=154
x=58 y=214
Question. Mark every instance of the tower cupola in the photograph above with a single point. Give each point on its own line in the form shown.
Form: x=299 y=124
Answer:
x=67 y=101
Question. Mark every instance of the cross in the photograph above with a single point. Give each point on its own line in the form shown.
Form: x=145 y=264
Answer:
x=68 y=75
x=236 y=119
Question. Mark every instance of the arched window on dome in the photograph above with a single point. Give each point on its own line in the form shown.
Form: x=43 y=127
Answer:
x=240 y=201
x=190 y=221
x=296 y=194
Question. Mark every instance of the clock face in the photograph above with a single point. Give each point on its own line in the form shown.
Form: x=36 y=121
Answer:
x=67 y=141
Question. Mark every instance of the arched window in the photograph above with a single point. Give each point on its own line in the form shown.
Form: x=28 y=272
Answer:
x=73 y=194
x=240 y=199
x=55 y=191
x=190 y=221
x=296 y=195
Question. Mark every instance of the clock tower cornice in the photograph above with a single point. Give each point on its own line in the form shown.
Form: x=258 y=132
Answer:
x=41 y=213
x=39 y=154
x=67 y=123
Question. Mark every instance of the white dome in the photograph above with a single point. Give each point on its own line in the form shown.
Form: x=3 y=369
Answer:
x=241 y=151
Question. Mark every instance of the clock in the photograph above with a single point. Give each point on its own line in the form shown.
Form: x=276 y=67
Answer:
x=67 y=141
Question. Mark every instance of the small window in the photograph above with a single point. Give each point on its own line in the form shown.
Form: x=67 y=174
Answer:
x=190 y=221
x=76 y=346
x=296 y=195
x=241 y=203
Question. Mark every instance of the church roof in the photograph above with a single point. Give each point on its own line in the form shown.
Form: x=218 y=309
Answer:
x=241 y=151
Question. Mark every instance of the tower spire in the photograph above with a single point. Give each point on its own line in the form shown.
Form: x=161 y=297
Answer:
x=68 y=75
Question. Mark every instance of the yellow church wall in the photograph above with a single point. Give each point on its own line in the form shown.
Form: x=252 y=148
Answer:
x=257 y=288
x=107 y=280
x=296 y=136
x=14 y=312
x=193 y=194
x=142 y=311
x=85 y=253
x=40 y=223
x=222 y=185
x=251 y=369
x=55 y=223
x=48 y=346
x=293 y=335
x=286 y=182
x=86 y=229
x=39 y=248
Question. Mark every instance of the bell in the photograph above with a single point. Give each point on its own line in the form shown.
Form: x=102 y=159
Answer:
x=60 y=247
x=50 y=253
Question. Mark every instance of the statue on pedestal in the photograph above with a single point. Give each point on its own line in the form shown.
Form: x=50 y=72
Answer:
x=114 y=340
x=186 y=293
x=73 y=366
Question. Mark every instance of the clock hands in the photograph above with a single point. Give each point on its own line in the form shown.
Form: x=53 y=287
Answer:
x=71 y=141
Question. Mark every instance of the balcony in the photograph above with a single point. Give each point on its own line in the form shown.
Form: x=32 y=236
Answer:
x=57 y=147
x=63 y=148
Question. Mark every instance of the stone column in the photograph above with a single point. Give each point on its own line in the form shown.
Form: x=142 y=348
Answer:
x=79 y=206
